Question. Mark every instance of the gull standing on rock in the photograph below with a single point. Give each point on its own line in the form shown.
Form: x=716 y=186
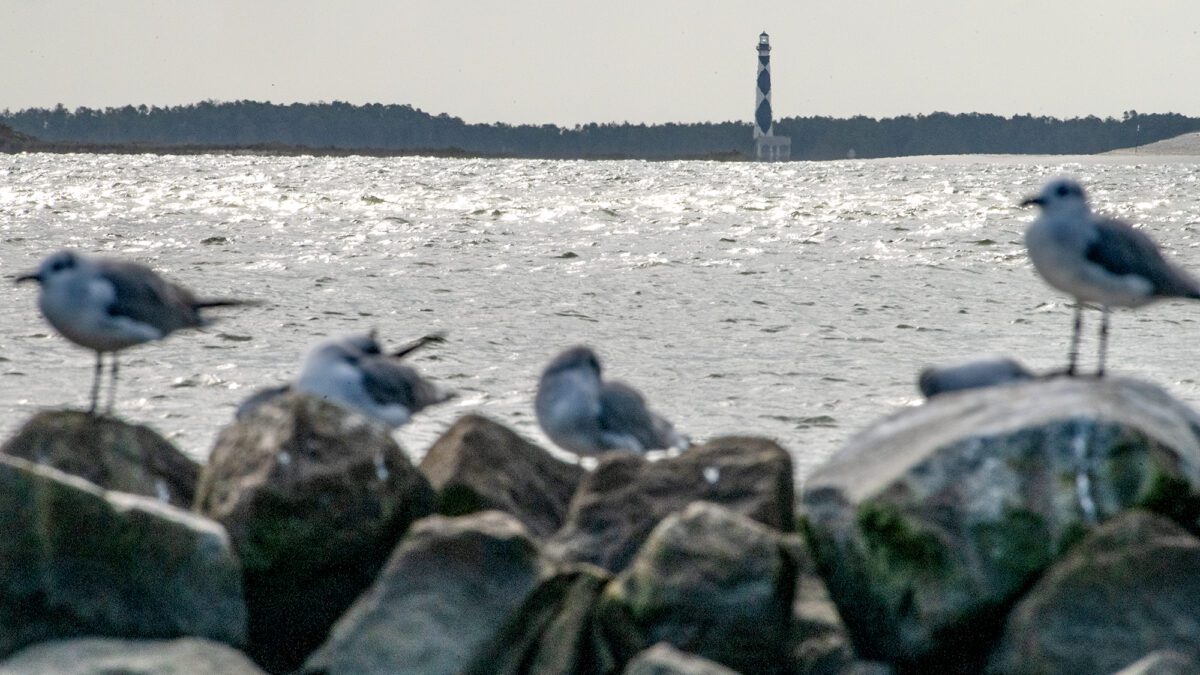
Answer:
x=107 y=305
x=586 y=415
x=1097 y=260
x=353 y=372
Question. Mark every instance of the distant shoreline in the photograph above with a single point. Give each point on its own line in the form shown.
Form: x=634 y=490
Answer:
x=393 y=130
x=272 y=150
x=12 y=142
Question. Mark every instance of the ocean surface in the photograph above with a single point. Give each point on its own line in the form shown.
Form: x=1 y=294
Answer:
x=796 y=301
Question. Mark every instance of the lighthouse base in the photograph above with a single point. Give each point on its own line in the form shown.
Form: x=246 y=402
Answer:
x=772 y=149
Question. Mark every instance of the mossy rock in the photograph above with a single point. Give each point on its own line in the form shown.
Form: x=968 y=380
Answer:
x=929 y=525
x=77 y=560
x=315 y=497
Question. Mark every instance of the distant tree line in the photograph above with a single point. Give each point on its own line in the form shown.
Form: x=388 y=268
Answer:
x=402 y=127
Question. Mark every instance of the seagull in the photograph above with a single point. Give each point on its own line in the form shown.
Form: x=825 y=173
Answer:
x=107 y=305
x=987 y=372
x=354 y=372
x=586 y=415
x=1097 y=260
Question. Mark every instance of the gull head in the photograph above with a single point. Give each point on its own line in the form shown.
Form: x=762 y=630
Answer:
x=575 y=359
x=1060 y=194
x=365 y=344
x=54 y=266
x=333 y=352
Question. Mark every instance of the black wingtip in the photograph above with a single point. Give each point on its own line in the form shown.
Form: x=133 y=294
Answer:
x=227 y=302
x=425 y=340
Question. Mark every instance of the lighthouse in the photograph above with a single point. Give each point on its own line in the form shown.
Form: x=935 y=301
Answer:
x=767 y=146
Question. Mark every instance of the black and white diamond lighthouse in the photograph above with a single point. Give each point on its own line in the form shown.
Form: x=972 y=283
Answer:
x=767 y=146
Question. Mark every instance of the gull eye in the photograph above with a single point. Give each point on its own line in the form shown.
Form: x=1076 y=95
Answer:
x=1063 y=190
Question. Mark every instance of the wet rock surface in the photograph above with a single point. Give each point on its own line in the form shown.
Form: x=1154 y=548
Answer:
x=113 y=454
x=558 y=630
x=663 y=659
x=929 y=525
x=1126 y=590
x=1164 y=662
x=77 y=560
x=820 y=642
x=618 y=504
x=445 y=593
x=314 y=498
x=713 y=583
x=479 y=465
x=107 y=656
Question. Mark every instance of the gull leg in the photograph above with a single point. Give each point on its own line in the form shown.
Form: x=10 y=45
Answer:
x=1074 y=354
x=1103 y=340
x=98 y=371
x=112 y=385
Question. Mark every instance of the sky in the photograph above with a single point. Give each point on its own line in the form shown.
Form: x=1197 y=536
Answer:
x=652 y=61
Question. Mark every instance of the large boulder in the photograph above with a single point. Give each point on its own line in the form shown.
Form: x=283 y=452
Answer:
x=445 y=593
x=1128 y=589
x=108 y=656
x=77 y=560
x=929 y=524
x=663 y=659
x=479 y=465
x=315 y=498
x=558 y=630
x=619 y=503
x=108 y=452
x=713 y=583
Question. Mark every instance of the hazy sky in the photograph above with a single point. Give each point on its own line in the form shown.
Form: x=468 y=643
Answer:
x=613 y=60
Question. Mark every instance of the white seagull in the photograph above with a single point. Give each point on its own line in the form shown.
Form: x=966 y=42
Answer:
x=1097 y=260
x=107 y=305
x=586 y=415
x=353 y=372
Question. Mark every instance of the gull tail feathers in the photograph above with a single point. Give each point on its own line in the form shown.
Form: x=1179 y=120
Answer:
x=225 y=302
x=423 y=341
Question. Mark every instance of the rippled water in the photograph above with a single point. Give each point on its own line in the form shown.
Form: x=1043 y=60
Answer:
x=796 y=301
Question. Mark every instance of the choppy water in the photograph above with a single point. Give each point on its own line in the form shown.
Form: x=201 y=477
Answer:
x=796 y=301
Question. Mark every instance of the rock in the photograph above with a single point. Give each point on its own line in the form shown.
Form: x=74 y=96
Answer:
x=1164 y=662
x=713 y=583
x=929 y=524
x=107 y=656
x=108 y=452
x=445 y=593
x=479 y=465
x=866 y=668
x=1128 y=589
x=557 y=630
x=314 y=498
x=663 y=659
x=820 y=642
x=77 y=560
x=619 y=503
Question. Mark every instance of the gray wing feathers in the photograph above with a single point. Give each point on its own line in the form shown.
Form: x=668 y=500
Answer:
x=387 y=382
x=144 y=296
x=1121 y=250
x=623 y=411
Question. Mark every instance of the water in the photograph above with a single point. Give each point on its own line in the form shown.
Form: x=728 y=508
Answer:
x=796 y=301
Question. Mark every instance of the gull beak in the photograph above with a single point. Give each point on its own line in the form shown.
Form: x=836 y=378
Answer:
x=1033 y=201
x=28 y=277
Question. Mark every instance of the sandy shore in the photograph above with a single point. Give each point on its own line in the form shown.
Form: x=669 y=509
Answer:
x=1187 y=144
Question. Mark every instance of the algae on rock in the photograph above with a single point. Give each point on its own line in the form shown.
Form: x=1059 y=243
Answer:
x=77 y=560
x=929 y=525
